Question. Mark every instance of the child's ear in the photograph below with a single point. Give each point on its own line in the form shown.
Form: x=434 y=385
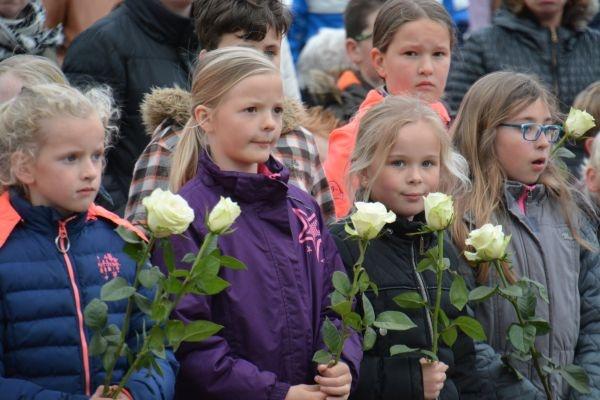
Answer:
x=351 y=50
x=203 y=116
x=377 y=59
x=587 y=146
x=22 y=167
x=591 y=179
x=202 y=54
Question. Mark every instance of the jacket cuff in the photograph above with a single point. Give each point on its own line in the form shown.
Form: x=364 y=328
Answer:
x=126 y=393
x=279 y=391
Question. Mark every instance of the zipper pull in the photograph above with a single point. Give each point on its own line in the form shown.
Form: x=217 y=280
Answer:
x=62 y=240
x=421 y=245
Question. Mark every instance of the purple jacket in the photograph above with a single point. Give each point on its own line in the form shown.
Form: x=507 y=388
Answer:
x=272 y=312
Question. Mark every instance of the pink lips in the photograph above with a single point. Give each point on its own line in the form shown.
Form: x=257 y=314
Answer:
x=412 y=196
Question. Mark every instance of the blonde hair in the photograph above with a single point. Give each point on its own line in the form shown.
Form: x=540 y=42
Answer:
x=377 y=134
x=32 y=70
x=490 y=101
x=216 y=74
x=22 y=119
x=589 y=100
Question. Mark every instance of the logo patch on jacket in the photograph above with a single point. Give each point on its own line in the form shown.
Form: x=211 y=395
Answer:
x=310 y=234
x=109 y=266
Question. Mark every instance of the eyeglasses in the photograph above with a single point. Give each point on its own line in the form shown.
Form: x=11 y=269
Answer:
x=363 y=36
x=532 y=131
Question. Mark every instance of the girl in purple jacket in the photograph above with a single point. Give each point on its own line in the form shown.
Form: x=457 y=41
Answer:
x=272 y=312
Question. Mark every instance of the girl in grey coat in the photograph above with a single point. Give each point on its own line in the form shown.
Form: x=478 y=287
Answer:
x=505 y=129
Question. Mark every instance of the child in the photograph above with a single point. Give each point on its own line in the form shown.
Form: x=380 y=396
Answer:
x=412 y=41
x=272 y=311
x=359 y=20
x=591 y=176
x=27 y=70
x=505 y=129
x=219 y=24
x=55 y=246
x=402 y=153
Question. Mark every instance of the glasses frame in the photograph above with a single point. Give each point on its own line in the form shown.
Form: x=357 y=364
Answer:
x=541 y=129
x=363 y=36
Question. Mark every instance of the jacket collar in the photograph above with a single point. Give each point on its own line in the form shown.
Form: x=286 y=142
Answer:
x=14 y=209
x=514 y=190
x=246 y=186
x=161 y=24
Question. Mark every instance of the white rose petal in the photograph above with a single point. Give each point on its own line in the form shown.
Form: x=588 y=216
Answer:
x=223 y=215
x=369 y=218
x=439 y=211
x=168 y=213
x=578 y=123
x=489 y=243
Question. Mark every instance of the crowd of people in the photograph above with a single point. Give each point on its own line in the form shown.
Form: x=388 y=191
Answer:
x=101 y=103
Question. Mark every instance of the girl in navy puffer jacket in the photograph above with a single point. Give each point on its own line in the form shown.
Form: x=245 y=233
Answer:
x=57 y=249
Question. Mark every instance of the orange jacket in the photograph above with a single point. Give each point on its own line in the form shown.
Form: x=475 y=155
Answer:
x=341 y=145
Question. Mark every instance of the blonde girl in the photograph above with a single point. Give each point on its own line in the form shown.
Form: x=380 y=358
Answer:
x=57 y=248
x=27 y=70
x=505 y=128
x=272 y=312
x=402 y=153
x=412 y=44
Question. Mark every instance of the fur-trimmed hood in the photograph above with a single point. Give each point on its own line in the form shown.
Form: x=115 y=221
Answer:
x=172 y=105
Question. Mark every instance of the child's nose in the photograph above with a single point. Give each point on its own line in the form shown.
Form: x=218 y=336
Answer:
x=414 y=175
x=269 y=122
x=426 y=66
x=89 y=169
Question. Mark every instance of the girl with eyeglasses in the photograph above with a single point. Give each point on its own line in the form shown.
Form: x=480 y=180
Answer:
x=505 y=129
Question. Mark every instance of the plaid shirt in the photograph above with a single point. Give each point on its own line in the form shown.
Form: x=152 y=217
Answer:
x=296 y=149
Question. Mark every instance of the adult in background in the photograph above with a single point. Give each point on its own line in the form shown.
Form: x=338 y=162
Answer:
x=140 y=45
x=22 y=30
x=548 y=38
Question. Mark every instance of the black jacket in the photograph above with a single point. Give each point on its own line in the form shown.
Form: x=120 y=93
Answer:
x=390 y=262
x=138 y=46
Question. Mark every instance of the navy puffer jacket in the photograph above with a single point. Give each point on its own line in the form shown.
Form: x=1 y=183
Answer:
x=43 y=340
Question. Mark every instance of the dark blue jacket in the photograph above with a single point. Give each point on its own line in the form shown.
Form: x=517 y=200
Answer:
x=44 y=343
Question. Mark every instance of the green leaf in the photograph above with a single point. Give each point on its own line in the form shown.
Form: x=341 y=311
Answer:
x=353 y=320
x=369 y=338
x=401 y=349
x=563 y=152
x=394 y=321
x=116 y=289
x=426 y=264
x=363 y=281
x=369 y=313
x=410 y=300
x=189 y=258
x=175 y=331
x=541 y=288
x=342 y=308
x=128 y=236
x=521 y=338
x=198 y=331
x=97 y=345
x=134 y=251
x=526 y=303
x=511 y=291
x=95 y=314
x=331 y=336
x=443 y=319
x=445 y=264
x=481 y=293
x=142 y=303
x=112 y=334
x=159 y=310
x=429 y=354
x=471 y=327
x=209 y=266
x=179 y=273
x=232 y=263
x=168 y=255
x=212 y=285
x=459 y=294
x=322 y=357
x=576 y=377
x=156 y=340
x=172 y=285
x=337 y=297
x=341 y=283
x=374 y=288
x=542 y=326
x=449 y=335
x=109 y=357
x=149 y=277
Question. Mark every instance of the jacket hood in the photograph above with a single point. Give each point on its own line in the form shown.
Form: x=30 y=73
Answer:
x=171 y=106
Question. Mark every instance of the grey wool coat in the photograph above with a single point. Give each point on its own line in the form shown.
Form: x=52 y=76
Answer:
x=543 y=249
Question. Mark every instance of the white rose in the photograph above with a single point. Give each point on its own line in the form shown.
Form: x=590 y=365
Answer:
x=168 y=213
x=489 y=243
x=368 y=219
x=222 y=215
x=578 y=123
x=439 y=211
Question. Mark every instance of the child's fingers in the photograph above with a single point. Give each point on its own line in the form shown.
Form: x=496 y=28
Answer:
x=336 y=390
x=333 y=381
x=338 y=369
